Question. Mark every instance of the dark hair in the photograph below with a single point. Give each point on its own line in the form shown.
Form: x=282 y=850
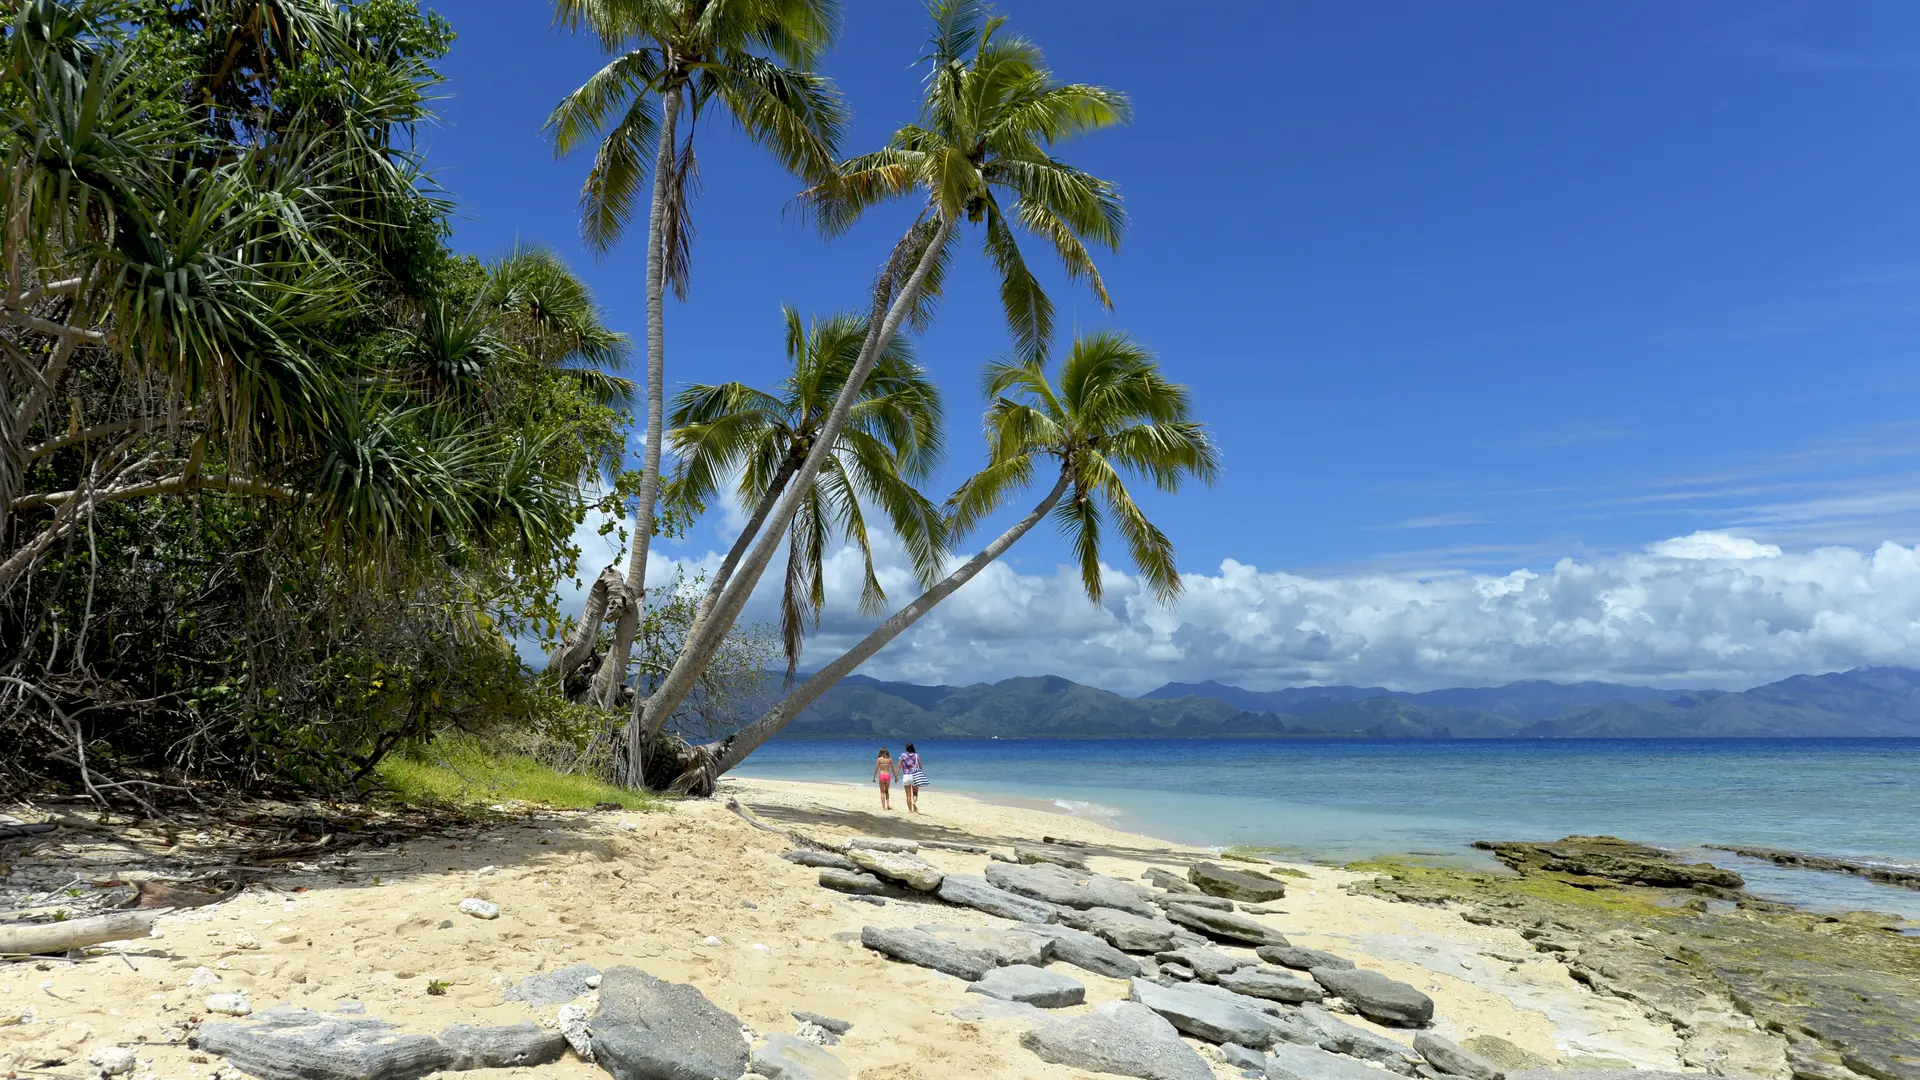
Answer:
x=910 y=749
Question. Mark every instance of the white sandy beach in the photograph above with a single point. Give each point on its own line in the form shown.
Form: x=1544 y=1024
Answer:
x=382 y=926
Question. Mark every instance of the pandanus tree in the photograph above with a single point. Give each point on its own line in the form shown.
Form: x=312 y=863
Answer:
x=979 y=154
x=672 y=59
x=891 y=442
x=1113 y=415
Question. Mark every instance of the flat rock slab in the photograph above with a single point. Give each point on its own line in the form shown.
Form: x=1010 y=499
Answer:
x=1162 y=878
x=1002 y=945
x=518 y=1046
x=1195 y=898
x=1225 y=925
x=1288 y=1062
x=971 y=890
x=1503 y=1054
x=1313 y=1026
x=299 y=1044
x=1089 y=951
x=1120 y=1038
x=1216 y=880
x=882 y=843
x=981 y=1010
x=555 y=987
x=922 y=948
x=1033 y=985
x=651 y=1029
x=1601 y=1074
x=853 y=882
x=1041 y=853
x=827 y=1023
x=1251 y=1062
x=1123 y=929
x=1206 y=964
x=1376 y=997
x=789 y=1057
x=1204 y=1016
x=825 y=860
x=1299 y=959
x=908 y=869
x=1271 y=985
x=1450 y=1057
x=1067 y=887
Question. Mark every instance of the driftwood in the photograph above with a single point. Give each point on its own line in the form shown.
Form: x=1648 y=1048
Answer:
x=803 y=840
x=10 y=832
x=35 y=939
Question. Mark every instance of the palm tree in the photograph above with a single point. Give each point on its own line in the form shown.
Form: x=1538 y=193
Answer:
x=670 y=57
x=1114 y=413
x=892 y=441
x=990 y=112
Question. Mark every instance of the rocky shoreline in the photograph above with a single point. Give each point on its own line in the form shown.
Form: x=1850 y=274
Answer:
x=1905 y=877
x=1751 y=987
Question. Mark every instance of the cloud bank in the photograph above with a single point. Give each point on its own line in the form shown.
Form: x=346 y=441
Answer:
x=1710 y=609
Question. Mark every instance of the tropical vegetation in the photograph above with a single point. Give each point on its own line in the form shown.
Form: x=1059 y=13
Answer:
x=289 y=487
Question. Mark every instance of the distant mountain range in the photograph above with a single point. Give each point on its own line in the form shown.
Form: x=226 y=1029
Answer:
x=1865 y=702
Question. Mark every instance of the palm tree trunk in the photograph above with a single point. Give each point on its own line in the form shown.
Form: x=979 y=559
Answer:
x=698 y=650
x=573 y=653
x=735 y=748
x=614 y=672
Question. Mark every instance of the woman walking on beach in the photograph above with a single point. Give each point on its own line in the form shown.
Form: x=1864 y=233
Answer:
x=912 y=777
x=883 y=774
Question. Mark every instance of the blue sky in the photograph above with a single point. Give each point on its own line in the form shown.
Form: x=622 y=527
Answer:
x=1463 y=289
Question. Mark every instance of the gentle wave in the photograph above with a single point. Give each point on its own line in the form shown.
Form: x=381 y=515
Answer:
x=1080 y=808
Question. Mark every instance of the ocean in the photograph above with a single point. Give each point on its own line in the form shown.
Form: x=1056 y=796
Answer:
x=1342 y=800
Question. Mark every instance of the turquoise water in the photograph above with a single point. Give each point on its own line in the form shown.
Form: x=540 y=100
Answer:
x=1339 y=800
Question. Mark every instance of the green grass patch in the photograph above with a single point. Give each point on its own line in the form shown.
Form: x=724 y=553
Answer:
x=463 y=774
x=1249 y=853
x=1553 y=888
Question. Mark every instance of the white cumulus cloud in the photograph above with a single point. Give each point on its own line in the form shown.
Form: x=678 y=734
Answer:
x=1710 y=609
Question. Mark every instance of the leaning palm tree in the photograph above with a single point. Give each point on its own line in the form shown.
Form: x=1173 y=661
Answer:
x=675 y=57
x=990 y=112
x=1113 y=413
x=892 y=441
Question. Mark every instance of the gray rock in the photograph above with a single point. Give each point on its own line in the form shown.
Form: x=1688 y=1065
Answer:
x=882 y=843
x=1271 y=985
x=1338 y=1036
x=910 y=870
x=555 y=987
x=1449 y=1057
x=1071 y=888
x=1124 y=930
x=1290 y=1062
x=1187 y=939
x=112 y=1060
x=1058 y=856
x=1120 y=1038
x=874 y=900
x=1002 y=945
x=1205 y=1016
x=969 y=890
x=1194 y=899
x=1177 y=971
x=825 y=860
x=1216 y=880
x=1260 y=909
x=852 y=881
x=1299 y=959
x=1224 y=925
x=1207 y=964
x=1376 y=997
x=1603 y=1074
x=517 y=1046
x=837 y=1027
x=922 y=948
x=480 y=909
x=788 y=1057
x=299 y=1044
x=1036 y=986
x=1084 y=950
x=651 y=1029
x=982 y=1009
x=1162 y=878
x=1253 y=1062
